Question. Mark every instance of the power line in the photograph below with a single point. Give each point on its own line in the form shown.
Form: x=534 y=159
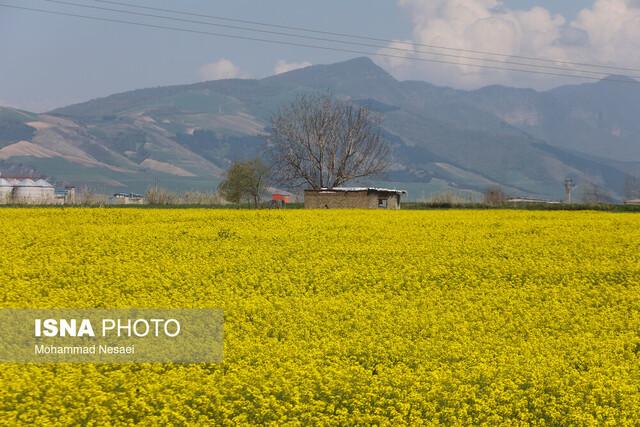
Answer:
x=324 y=39
x=355 y=36
x=289 y=43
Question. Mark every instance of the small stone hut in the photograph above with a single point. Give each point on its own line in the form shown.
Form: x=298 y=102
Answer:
x=353 y=198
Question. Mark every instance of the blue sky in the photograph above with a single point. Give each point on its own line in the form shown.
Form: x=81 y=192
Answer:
x=51 y=61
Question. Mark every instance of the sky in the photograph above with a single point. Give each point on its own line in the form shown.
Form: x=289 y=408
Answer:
x=51 y=61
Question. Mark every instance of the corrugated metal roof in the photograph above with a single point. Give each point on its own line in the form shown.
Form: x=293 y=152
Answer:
x=531 y=200
x=356 y=189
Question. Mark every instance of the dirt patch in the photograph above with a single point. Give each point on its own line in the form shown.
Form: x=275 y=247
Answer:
x=159 y=166
x=39 y=125
x=26 y=149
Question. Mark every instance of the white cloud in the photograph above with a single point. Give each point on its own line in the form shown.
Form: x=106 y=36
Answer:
x=606 y=33
x=283 y=66
x=220 y=69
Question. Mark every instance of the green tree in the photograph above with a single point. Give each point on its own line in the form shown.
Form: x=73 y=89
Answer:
x=245 y=181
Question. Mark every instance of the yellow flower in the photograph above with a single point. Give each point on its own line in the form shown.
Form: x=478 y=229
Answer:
x=340 y=317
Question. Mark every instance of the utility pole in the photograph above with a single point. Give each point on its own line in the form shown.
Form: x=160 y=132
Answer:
x=568 y=189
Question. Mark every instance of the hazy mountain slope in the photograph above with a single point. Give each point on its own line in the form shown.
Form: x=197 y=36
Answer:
x=13 y=127
x=104 y=155
x=599 y=119
x=185 y=136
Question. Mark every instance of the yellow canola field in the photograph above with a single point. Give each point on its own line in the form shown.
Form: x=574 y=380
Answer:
x=340 y=317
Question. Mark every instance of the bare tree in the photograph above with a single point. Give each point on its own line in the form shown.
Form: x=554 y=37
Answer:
x=631 y=187
x=593 y=194
x=322 y=142
x=494 y=196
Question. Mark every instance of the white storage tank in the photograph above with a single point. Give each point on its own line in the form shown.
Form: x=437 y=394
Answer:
x=33 y=192
x=6 y=188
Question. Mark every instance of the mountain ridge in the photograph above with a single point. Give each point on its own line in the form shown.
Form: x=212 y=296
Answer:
x=443 y=139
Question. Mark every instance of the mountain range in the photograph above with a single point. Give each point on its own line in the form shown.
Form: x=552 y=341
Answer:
x=184 y=137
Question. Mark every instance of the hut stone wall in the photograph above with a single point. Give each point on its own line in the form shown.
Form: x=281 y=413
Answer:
x=351 y=199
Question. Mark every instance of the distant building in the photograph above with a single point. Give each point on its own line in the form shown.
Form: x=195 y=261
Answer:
x=126 y=199
x=66 y=195
x=22 y=190
x=353 y=198
x=633 y=202
x=279 y=200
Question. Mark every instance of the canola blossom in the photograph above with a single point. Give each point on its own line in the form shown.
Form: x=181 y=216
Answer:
x=339 y=317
